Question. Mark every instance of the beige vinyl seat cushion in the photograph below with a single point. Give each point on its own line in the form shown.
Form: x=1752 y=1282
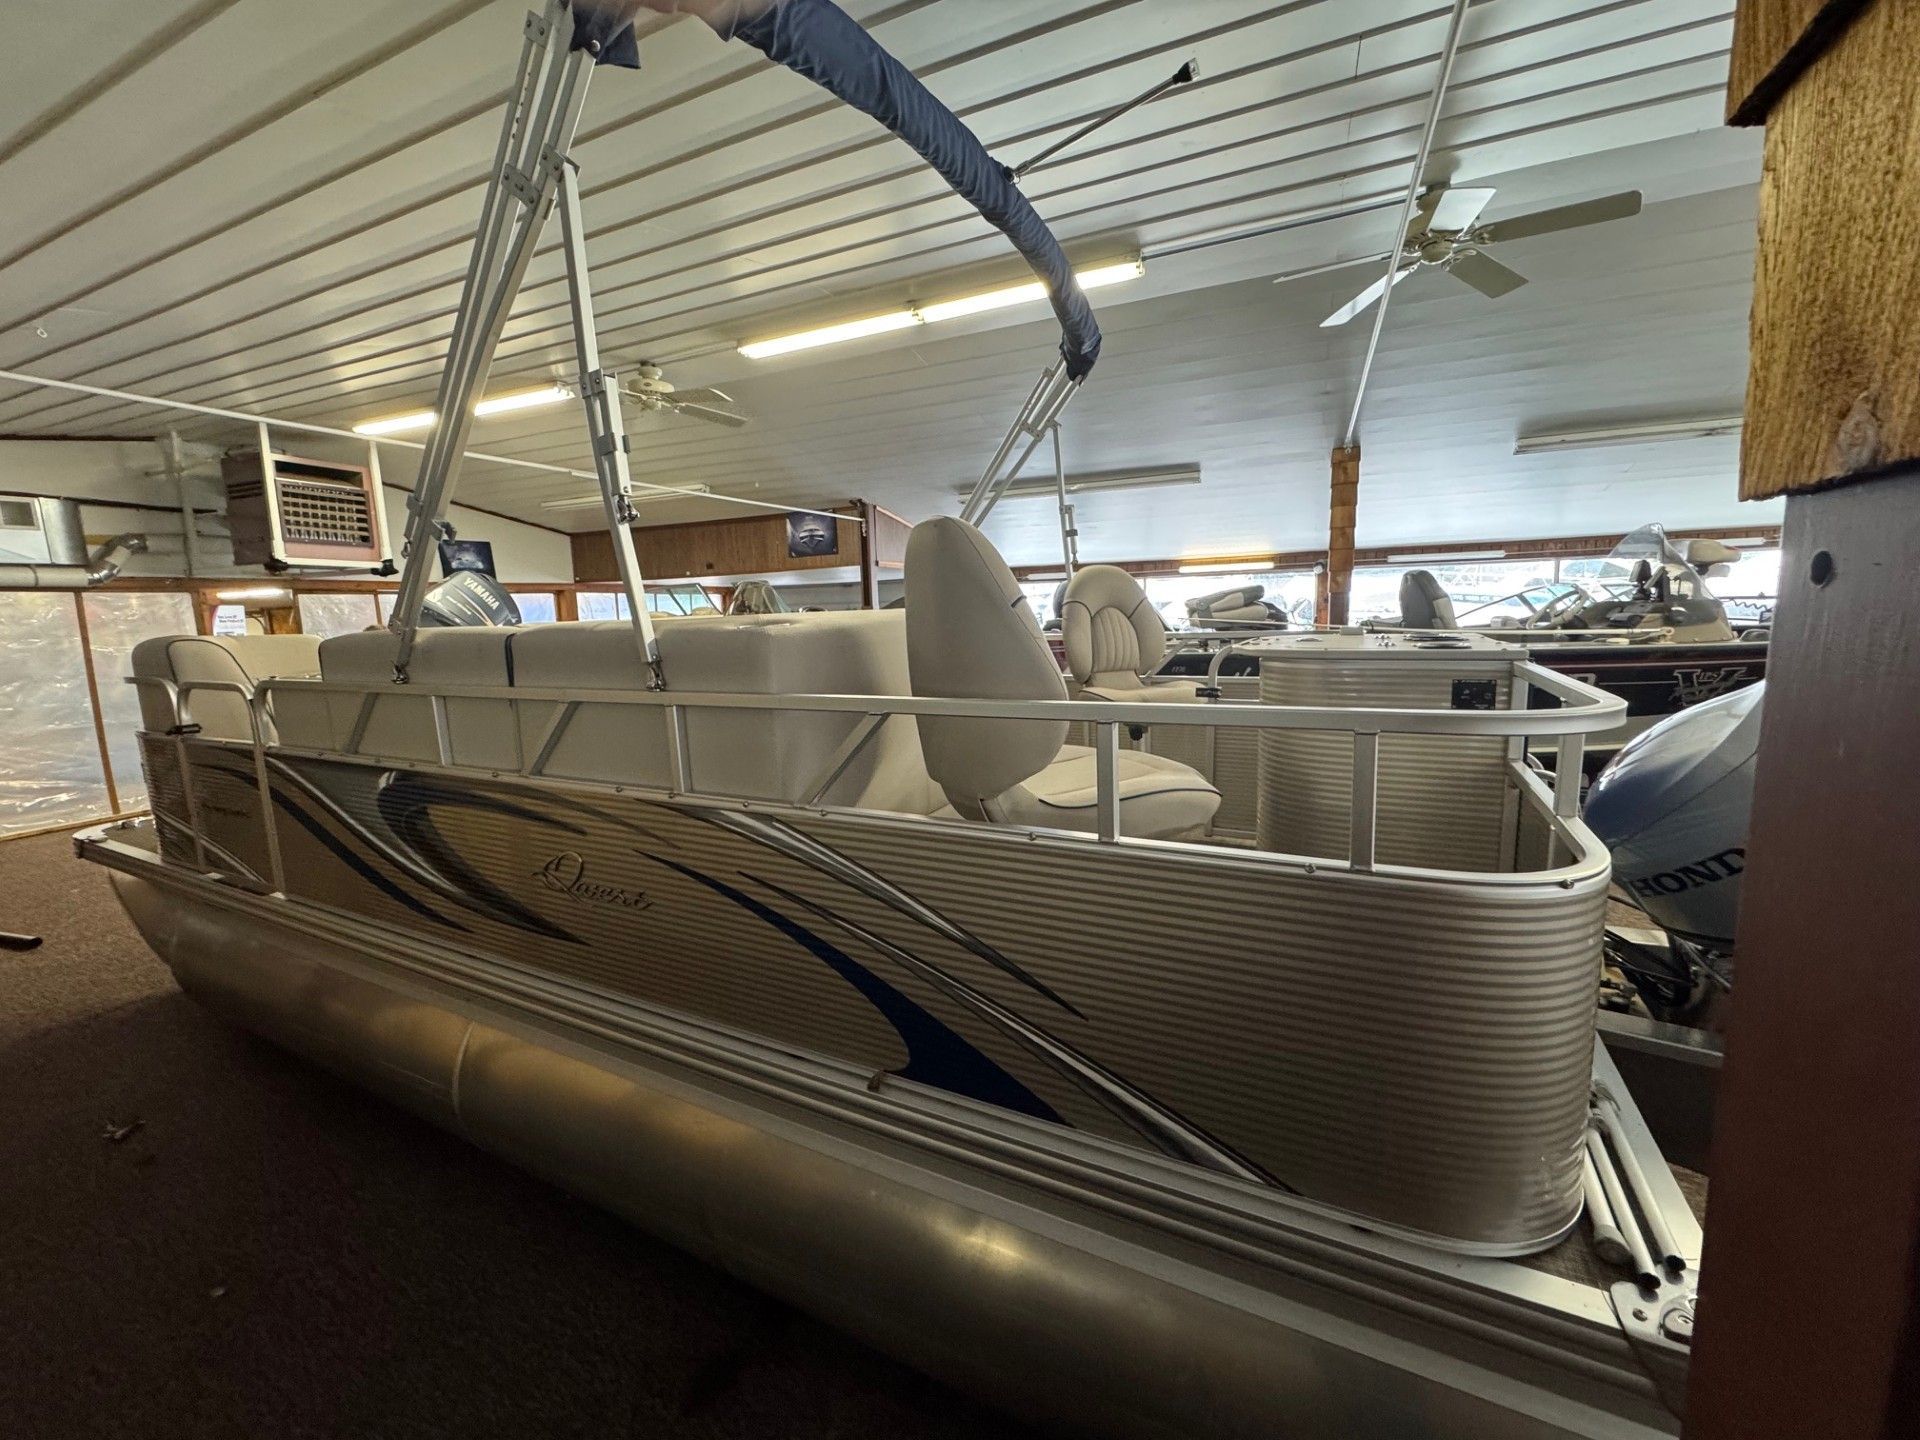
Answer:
x=1113 y=637
x=401 y=724
x=762 y=754
x=235 y=659
x=972 y=635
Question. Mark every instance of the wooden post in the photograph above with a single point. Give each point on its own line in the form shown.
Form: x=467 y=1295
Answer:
x=1343 y=504
x=1809 y=1319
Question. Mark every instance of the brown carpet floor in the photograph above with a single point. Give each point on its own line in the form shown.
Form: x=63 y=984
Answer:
x=272 y=1253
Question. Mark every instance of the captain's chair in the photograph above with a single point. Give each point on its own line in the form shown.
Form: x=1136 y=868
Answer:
x=972 y=636
x=1113 y=637
x=1242 y=608
x=1423 y=604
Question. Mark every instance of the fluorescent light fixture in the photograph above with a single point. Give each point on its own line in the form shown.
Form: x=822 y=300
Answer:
x=1628 y=435
x=492 y=405
x=1084 y=483
x=397 y=424
x=979 y=304
x=255 y=592
x=1254 y=566
x=594 y=502
x=523 y=400
x=1447 y=556
x=830 y=334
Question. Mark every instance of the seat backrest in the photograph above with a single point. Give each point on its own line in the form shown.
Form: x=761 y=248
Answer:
x=1113 y=636
x=1226 y=609
x=1424 y=605
x=236 y=659
x=972 y=636
x=401 y=724
x=765 y=754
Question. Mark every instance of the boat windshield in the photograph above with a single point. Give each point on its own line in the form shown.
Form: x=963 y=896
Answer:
x=1544 y=605
x=1652 y=544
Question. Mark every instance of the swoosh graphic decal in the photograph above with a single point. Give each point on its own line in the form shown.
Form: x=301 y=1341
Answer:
x=358 y=865
x=407 y=809
x=812 y=853
x=936 y=1055
x=1162 y=1127
x=414 y=846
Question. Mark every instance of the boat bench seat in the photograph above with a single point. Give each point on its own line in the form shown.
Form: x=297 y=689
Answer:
x=237 y=659
x=759 y=754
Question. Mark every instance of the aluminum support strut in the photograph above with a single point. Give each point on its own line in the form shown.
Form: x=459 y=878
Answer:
x=1040 y=414
x=600 y=394
x=531 y=172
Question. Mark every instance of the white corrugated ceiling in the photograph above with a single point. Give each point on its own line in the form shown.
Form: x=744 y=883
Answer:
x=267 y=205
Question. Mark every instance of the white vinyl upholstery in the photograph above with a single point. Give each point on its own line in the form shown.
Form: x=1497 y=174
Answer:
x=1113 y=637
x=1229 y=609
x=971 y=635
x=401 y=725
x=239 y=659
x=768 y=754
x=1112 y=634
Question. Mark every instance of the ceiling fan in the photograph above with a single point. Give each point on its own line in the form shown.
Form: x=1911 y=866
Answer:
x=1442 y=235
x=648 y=389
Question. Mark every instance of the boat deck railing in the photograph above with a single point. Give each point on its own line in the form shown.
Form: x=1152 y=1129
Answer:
x=1583 y=710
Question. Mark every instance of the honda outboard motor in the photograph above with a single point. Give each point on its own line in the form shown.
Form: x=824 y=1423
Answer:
x=1673 y=807
x=468 y=597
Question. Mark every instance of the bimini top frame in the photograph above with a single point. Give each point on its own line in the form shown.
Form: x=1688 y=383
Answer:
x=533 y=171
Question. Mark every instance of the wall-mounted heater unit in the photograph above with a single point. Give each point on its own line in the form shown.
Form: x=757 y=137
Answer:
x=287 y=513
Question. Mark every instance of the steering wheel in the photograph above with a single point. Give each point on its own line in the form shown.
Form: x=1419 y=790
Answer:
x=1549 y=615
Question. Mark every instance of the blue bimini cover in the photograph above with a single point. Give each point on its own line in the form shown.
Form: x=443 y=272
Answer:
x=817 y=39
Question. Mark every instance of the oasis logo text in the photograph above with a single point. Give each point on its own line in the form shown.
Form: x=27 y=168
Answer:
x=567 y=873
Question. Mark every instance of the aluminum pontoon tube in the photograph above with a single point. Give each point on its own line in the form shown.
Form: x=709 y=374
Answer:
x=1018 y=1295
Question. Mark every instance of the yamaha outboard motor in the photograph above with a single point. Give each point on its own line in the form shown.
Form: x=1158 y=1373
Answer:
x=468 y=597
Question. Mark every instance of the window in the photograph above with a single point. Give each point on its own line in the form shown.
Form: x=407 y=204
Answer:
x=116 y=622
x=1469 y=584
x=341 y=614
x=536 y=607
x=50 y=771
x=604 y=605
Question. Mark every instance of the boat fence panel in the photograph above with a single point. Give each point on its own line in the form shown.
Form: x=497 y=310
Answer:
x=1412 y=1050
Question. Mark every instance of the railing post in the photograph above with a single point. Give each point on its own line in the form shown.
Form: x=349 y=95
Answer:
x=442 y=735
x=679 y=756
x=1366 y=799
x=276 y=869
x=1106 y=766
x=1568 y=764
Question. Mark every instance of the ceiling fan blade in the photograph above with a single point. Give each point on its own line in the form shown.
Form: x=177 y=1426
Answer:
x=1365 y=298
x=703 y=395
x=1564 y=217
x=1458 y=209
x=1486 y=274
x=1287 y=275
x=718 y=417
